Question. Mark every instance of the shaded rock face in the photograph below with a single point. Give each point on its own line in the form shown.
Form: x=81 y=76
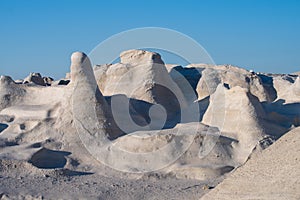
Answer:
x=48 y=80
x=36 y=78
x=63 y=82
x=141 y=75
x=183 y=76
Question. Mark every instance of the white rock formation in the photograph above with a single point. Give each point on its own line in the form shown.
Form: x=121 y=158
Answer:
x=139 y=149
x=10 y=92
x=86 y=92
x=272 y=174
x=137 y=116
x=35 y=78
x=238 y=114
x=142 y=75
x=231 y=76
x=287 y=88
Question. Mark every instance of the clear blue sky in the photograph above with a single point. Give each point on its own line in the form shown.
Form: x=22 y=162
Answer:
x=39 y=35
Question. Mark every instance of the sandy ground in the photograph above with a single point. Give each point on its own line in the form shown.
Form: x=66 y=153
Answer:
x=271 y=174
x=57 y=185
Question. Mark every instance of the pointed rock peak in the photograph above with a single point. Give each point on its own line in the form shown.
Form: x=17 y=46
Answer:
x=78 y=57
x=81 y=67
x=134 y=57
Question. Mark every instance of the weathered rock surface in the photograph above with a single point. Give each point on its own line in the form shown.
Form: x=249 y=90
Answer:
x=287 y=88
x=272 y=174
x=142 y=75
x=231 y=76
x=175 y=141
x=173 y=123
x=36 y=78
x=238 y=114
x=10 y=92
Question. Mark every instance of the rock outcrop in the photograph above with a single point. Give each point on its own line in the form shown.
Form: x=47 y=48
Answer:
x=139 y=116
x=36 y=78
x=287 y=87
x=10 y=92
x=142 y=76
x=86 y=92
x=212 y=76
x=272 y=174
x=239 y=115
x=142 y=151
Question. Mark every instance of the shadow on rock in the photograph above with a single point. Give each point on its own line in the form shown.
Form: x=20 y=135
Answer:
x=3 y=127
